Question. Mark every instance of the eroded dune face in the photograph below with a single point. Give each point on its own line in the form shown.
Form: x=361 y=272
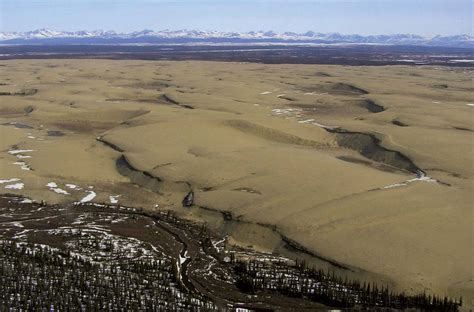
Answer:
x=370 y=167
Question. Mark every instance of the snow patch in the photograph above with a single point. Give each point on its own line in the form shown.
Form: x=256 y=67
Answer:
x=9 y=180
x=421 y=177
x=114 y=199
x=14 y=152
x=323 y=126
x=16 y=186
x=182 y=259
x=395 y=185
x=52 y=184
x=17 y=224
x=306 y=121
x=54 y=187
x=19 y=156
x=23 y=165
x=59 y=191
x=461 y=61
x=89 y=197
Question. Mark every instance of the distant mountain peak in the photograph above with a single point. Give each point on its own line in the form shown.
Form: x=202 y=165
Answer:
x=149 y=36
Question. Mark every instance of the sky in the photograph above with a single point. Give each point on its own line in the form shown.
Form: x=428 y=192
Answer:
x=365 y=17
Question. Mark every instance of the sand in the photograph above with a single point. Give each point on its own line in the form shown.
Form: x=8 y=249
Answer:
x=252 y=140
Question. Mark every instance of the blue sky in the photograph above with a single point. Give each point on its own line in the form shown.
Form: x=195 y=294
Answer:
x=424 y=17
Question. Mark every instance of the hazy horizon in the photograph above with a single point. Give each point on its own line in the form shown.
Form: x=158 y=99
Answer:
x=364 y=17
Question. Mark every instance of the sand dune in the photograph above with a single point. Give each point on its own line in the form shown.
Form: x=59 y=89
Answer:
x=264 y=144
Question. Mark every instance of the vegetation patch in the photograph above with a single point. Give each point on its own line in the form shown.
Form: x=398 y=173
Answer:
x=368 y=145
x=169 y=100
x=399 y=123
x=371 y=106
x=23 y=92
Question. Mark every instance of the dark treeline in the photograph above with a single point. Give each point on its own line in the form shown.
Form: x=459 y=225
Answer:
x=93 y=272
x=39 y=278
x=301 y=281
x=353 y=55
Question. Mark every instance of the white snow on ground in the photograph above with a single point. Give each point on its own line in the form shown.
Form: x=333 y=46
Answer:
x=114 y=199
x=288 y=111
x=18 y=155
x=89 y=197
x=265 y=92
x=9 y=180
x=17 y=224
x=280 y=95
x=121 y=220
x=420 y=178
x=26 y=201
x=72 y=186
x=182 y=259
x=31 y=137
x=23 y=165
x=394 y=185
x=217 y=243
x=14 y=152
x=16 y=186
x=59 y=191
x=470 y=104
x=322 y=126
x=54 y=187
x=296 y=112
x=51 y=184
x=21 y=234
x=79 y=220
x=461 y=61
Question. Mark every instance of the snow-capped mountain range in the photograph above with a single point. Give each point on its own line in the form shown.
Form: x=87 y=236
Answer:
x=45 y=36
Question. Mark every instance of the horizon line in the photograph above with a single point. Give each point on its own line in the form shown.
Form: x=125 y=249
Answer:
x=230 y=31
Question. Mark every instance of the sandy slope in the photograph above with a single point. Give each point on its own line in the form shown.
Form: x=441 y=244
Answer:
x=253 y=145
